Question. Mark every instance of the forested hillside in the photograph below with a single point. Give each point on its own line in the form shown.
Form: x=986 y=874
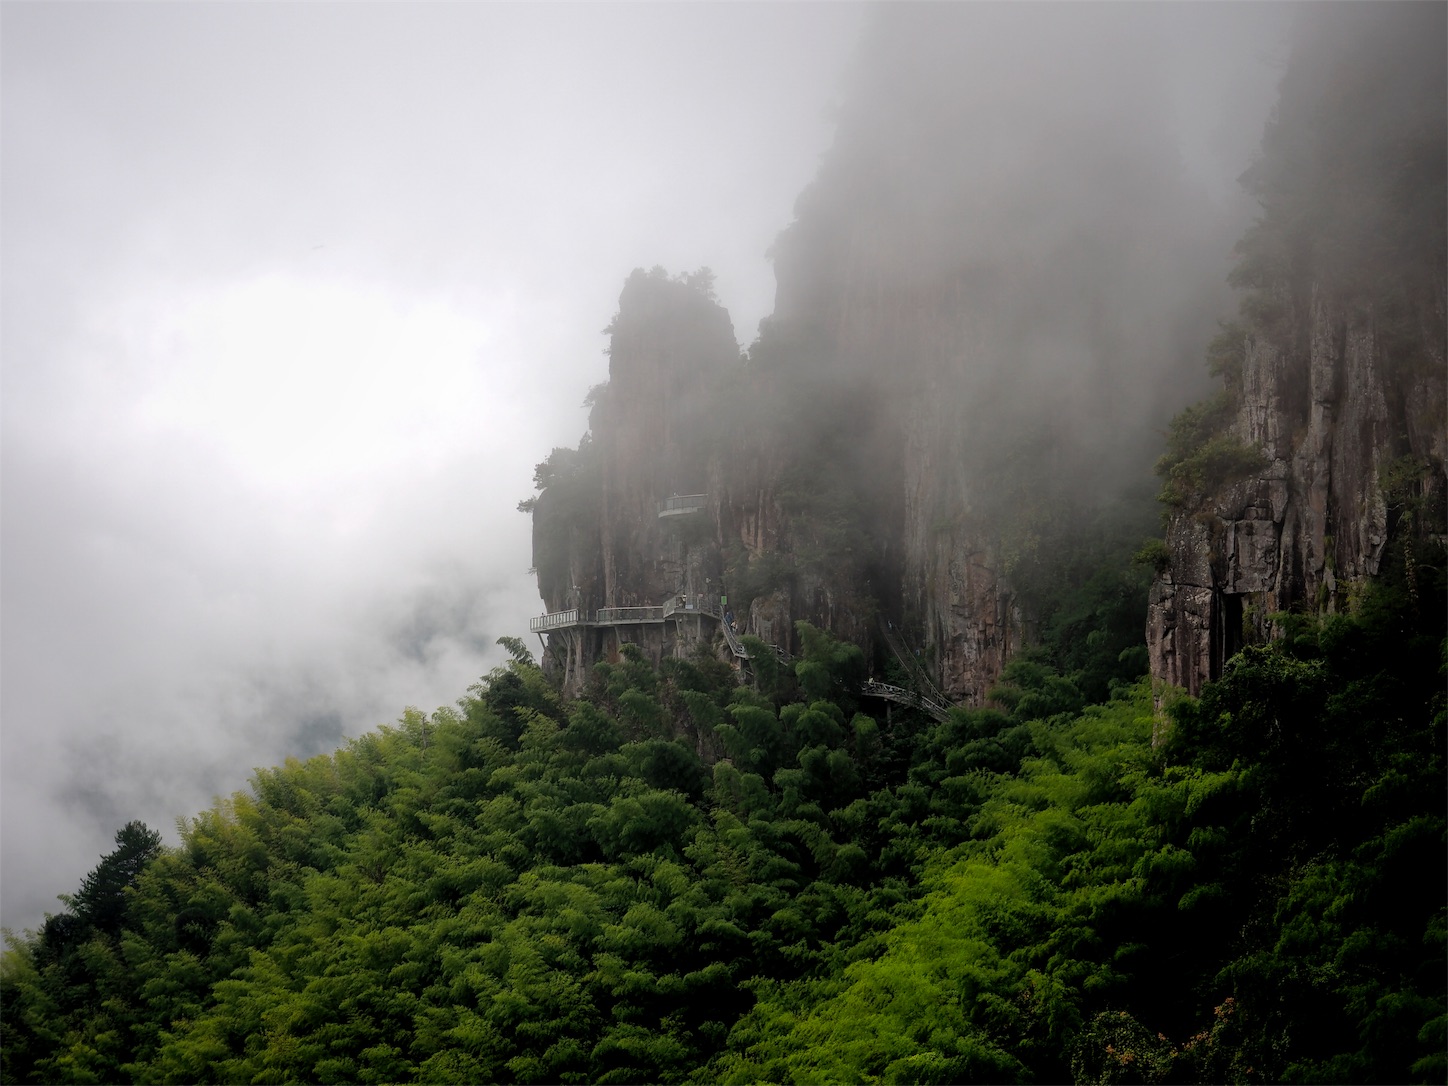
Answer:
x=699 y=858
x=525 y=890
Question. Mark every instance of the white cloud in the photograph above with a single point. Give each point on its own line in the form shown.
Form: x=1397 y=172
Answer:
x=298 y=384
x=294 y=297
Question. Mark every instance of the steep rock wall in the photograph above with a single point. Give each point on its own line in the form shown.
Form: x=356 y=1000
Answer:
x=598 y=541
x=1309 y=529
x=1019 y=332
x=984 y=318
x=1343 y=383
x=986 y=259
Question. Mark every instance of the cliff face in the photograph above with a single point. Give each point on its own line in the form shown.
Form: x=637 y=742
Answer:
x=987 y=258
x=1019 y=294
x=1341 y=380
x=1307 y=531
x=598 y=539
x=984 y=319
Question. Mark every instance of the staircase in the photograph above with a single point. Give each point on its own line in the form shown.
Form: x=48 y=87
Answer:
x=900 y=695
x=911 y=663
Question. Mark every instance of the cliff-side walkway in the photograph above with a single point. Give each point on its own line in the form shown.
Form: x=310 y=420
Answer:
x=687 y=605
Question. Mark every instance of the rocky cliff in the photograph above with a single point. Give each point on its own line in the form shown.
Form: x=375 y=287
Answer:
x=1336 y=376
x=598 y=538
x=985 y=317
x=999 y=306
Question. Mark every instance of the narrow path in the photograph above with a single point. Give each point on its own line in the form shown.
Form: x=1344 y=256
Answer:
x=899 y=694
x=909 y=662
x=932 y=701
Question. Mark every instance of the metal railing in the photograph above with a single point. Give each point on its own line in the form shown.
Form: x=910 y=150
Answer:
x=614 y=616
x=695 y=604
x=910 y=663
x=556 y=620
x=692 y=604
x=678 y=504
x=735 y=645
x=905 y=697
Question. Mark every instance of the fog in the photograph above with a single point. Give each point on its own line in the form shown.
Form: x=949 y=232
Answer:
x=1050 y=192
x=295 y=296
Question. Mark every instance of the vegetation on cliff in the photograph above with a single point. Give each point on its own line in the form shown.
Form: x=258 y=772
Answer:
x=676 y=876
x=522 y=889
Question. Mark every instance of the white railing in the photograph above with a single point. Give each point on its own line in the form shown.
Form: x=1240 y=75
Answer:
x=557 y=619
x=679 y=504
x=735 y=645
x=613 y=616
x=692 y=604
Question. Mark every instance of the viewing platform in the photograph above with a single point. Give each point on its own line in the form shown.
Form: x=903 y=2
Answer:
x=680 y=606
x=557 y=620
x=927 y=698
x=680 y=504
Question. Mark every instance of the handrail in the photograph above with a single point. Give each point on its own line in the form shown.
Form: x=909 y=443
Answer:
x=678 y=504
x=908 y=662
x=735 y=645
x=906 y=697
x=571 y=617
x=609 y=616
x=933 y=703
x=690 y=604
x=695 y=603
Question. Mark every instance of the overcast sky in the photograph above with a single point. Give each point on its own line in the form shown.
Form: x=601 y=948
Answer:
x=294 y=298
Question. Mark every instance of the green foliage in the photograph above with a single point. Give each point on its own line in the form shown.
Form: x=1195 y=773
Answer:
x=100 y=902
x=1202 y=455
x=570 y=483
x=1154 y=555
x=828 y=518
x=1259 y=900
x=512 y=889
x=516 y=649
x=1226 y=356
x=754 y=576
x=676 y=878
x=1088 y=598
x=522 y=889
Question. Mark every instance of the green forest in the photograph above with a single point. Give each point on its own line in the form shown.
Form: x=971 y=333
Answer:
x=679 y=876
x=1244 y=887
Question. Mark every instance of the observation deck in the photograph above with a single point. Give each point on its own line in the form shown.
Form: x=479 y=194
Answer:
x=682 y=605
x=557 y=620
x=928 y=700
x=680 y=504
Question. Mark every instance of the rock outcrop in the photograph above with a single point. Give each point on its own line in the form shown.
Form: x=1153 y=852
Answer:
x=1004 y=309
x=1343 y=382
x=1310 y=529
x=598 y=539
x=984 y=319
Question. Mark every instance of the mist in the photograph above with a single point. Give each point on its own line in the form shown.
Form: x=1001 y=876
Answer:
x=294 y=298
x=1054 y=184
